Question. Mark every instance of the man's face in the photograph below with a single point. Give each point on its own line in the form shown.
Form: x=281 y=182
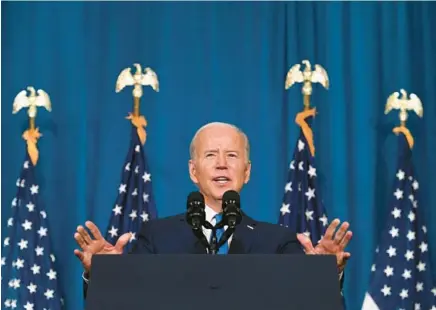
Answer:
x=220 y=162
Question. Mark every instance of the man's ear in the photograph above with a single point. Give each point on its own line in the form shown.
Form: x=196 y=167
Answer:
x=192 y=171
x=247 y=172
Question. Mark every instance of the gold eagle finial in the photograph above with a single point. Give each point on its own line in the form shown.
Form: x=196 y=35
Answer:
x=307 y=77
x=404 y=104
x=32 y=102
x=139 y=79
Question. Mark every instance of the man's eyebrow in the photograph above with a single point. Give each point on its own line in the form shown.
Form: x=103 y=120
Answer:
x=216 y=150
x=211 y=150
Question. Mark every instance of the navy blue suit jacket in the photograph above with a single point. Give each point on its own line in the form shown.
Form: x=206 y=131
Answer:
x=173 y=235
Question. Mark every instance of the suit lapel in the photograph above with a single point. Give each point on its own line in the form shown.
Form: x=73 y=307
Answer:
x=241 y=240
x=198 y=248
x=193 y=244
x=243 y=237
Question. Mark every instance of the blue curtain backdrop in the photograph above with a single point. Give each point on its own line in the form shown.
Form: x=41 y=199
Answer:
x=218 y=62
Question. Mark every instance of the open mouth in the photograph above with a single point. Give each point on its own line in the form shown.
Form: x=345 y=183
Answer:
x=221 y=180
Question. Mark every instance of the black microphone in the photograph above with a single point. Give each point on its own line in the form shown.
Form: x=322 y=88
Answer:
x=232 y=215
x=195 y=215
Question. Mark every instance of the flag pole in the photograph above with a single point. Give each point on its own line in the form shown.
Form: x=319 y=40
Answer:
x=31 y=102
x=134 y=203
x=307 y=77
x=136 y=102
x=137 y=80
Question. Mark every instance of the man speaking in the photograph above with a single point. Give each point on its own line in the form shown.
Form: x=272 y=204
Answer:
x=219 y=164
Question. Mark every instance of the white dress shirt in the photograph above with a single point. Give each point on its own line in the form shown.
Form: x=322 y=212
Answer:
x=210 y=218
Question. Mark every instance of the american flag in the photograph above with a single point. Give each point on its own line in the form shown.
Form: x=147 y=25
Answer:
x=29 y=276
x=134 y=204
x=401 y=274
x=302 y=208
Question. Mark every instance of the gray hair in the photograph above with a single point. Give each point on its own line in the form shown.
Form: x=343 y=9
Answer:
x=244 y=136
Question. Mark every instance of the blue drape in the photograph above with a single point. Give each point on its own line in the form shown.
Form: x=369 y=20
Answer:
x=218 y=62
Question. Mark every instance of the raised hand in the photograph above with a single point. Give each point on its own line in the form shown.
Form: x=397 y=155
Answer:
x=95 y=244
x=333 y=242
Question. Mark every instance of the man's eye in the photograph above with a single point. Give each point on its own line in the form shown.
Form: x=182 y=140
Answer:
x=232 y=155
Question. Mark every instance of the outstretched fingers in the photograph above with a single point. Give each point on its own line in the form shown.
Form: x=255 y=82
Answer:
x=306 y=243
x=84 y=234
x=79 y=254
x=84 y=238
x=344 y=242
x=94 y=230
x=122 y=241
x=340 y=234
x=80 y=240
x=330 y=231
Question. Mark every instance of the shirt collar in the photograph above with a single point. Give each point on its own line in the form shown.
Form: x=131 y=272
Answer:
x=210 y=213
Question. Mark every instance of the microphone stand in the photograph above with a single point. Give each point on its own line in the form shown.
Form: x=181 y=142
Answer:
x=213 y=245
x=200 y=236
x=226 y=236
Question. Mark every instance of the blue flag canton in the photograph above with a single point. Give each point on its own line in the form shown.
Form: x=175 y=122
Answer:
x=302 y=208
x=29 y=276
x=401 y=274
x=134 y=204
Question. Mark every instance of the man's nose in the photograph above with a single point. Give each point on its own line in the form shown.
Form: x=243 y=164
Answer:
x=221 y=162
